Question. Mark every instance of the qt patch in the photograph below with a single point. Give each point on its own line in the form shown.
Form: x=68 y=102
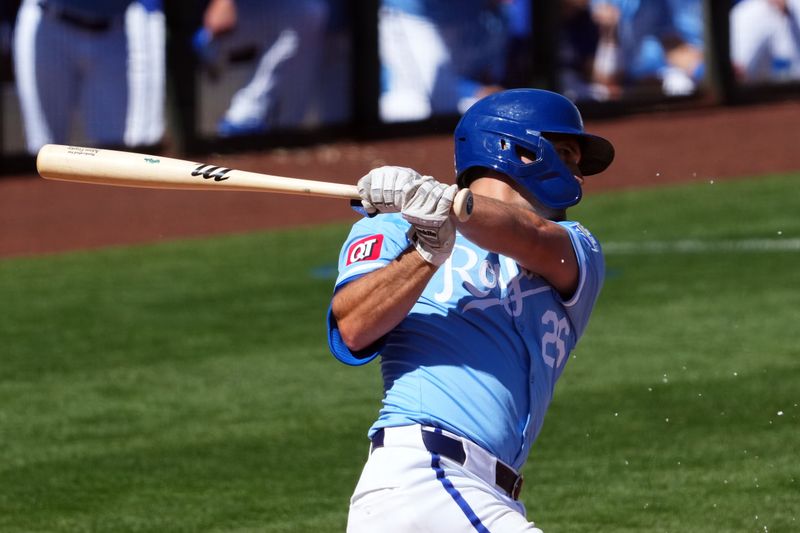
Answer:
x=366 y=249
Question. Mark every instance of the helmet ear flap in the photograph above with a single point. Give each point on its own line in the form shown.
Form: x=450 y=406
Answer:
x=529 y=159
x=523 y=153
x=549 y=178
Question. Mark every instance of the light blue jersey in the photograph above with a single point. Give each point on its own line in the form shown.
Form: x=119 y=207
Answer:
x=480 y=352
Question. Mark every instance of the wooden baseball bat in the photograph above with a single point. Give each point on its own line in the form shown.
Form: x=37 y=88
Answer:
x=130 y=169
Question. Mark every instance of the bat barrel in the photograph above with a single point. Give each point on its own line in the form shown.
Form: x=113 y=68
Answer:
x=129 y=169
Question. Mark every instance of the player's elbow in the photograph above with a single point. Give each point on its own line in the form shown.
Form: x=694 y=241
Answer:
x=355 y=336
x=352 y=330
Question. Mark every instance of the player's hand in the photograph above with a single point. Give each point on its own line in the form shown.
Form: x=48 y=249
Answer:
x=386 y=189
x=220 y=17
x=433 y=230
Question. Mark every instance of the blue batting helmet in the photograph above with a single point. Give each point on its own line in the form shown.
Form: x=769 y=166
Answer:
x=492 y=132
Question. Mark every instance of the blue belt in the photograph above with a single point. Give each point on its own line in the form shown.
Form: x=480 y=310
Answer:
x=80 y=21
x=452 y=449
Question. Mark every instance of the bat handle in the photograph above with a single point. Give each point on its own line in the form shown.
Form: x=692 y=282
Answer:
x=462 y=205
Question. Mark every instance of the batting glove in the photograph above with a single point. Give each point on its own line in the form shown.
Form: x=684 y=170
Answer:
x=433 y=231
x=386 y=189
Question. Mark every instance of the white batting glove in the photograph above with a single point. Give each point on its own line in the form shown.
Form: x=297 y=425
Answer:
x=433 y=230
x=386 y=189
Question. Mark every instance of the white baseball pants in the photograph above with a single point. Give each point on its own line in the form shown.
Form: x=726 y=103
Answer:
x=59 y=68
x=406 y=488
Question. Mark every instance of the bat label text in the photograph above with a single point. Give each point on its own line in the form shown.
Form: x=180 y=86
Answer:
x=211 y=172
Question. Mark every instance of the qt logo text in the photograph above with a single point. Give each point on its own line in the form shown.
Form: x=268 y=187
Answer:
x=366 y=249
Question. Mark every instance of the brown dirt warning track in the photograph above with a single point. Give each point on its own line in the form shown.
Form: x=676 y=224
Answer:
x=39 y=216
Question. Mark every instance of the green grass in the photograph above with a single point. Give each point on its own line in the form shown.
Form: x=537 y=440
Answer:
x=187 y=386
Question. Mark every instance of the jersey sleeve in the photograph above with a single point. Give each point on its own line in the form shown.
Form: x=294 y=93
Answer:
x=592 y=274
x=372 y=244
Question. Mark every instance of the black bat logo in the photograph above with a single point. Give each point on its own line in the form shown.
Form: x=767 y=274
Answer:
x=208 y=172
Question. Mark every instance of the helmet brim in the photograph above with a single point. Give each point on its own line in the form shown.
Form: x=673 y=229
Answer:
x=597 y=154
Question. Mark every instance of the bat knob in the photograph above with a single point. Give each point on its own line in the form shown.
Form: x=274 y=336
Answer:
x=463 y=204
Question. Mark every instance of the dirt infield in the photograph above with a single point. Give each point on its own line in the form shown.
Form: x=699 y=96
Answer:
x=38 y=216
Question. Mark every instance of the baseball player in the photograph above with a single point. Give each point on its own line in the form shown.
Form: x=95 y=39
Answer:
x=474 y=321
x=8 y=12
x=72 y=55
x=145 y=26
x=438 y=60
x=288 y=37
x=765 y=40
x=653 y=40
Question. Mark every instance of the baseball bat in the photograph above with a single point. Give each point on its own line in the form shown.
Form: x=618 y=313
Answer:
x=130 y=169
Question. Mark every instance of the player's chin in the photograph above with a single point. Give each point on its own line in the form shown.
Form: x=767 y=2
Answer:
x=544 y=211
x=558 y=215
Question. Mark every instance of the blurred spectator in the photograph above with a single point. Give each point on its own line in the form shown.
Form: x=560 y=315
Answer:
x=607 y=67
x=765 y=40
x=437 y=58
x=519 y=26
x=578 y=46
x=146 y=30
x=71 y=58
x=683 y=42
x=287 y=37
x=8 y=11
x=332 y=89
x=654 y=41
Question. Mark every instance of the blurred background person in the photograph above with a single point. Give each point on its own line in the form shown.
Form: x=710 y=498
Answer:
x=578 y=49
x=71 y=62
x=8 y=12
x=145 y=26
x=333 y=85
x=518 y=17
x=607 y=64
x=765 y=40
x=287 y=38
x=439 y=58
x=654 y=42
x=683 y=40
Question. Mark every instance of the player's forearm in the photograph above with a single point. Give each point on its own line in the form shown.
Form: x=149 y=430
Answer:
x=371 y=306
x=537 y=244
x=506 y=229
